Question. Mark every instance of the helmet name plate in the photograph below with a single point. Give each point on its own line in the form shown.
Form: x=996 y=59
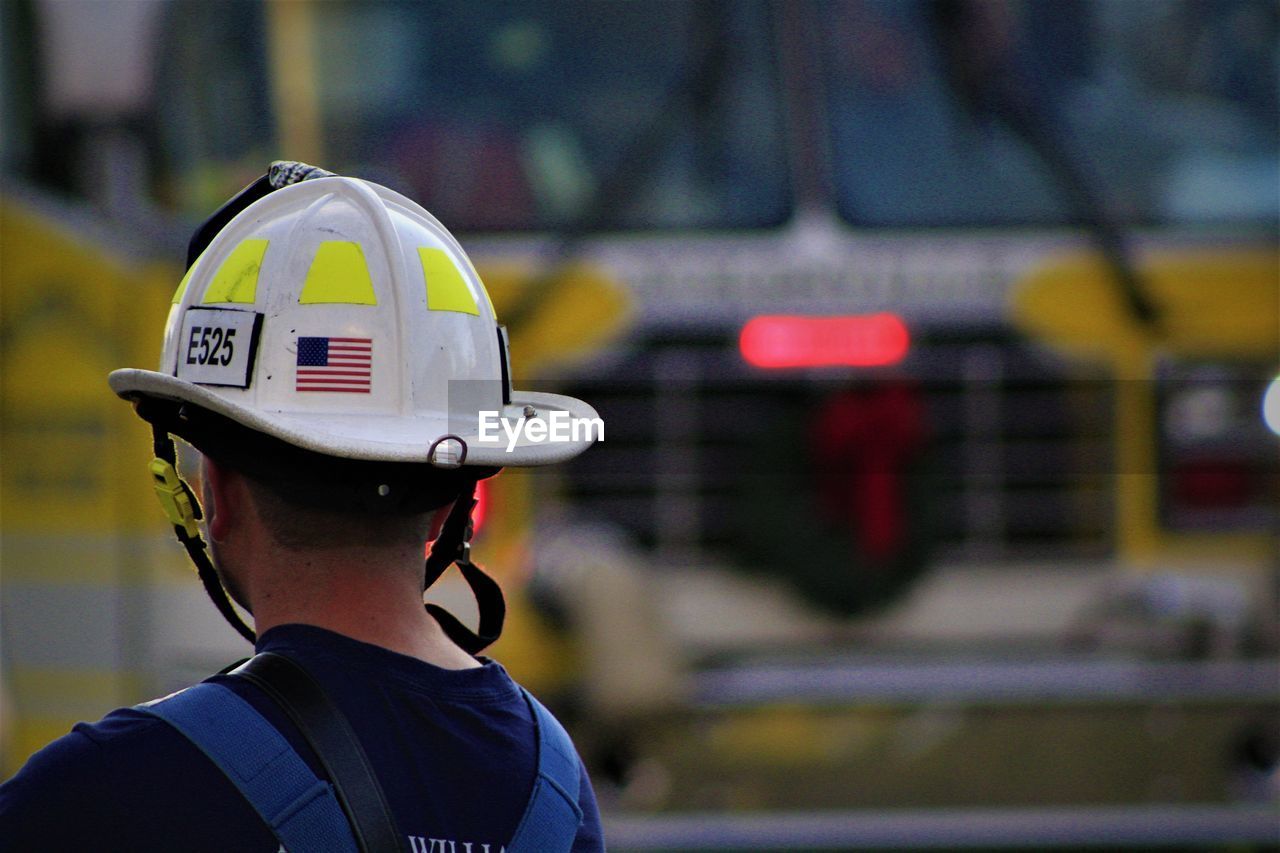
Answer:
x=217 y=346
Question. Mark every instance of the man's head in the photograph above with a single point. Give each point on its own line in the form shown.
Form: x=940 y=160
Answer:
x=253 y=524
x=332 y=343
x=264 y=499
x=299 y=525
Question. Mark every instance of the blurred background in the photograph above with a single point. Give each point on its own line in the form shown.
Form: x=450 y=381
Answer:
x=936 y=343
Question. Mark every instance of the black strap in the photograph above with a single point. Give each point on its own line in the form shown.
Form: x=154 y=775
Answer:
x=453 y=543
x=195 y=545
x=210 y=227
x=490 y=604
x=334 y=743
x=281 y=174
x=453 y=546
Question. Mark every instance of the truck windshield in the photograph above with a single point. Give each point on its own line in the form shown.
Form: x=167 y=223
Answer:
x=503 y=116
x=516 y=115
x=1170 y=108
x=586 y=115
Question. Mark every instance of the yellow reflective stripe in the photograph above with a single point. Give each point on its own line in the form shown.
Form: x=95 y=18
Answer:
x=338 y=274
x=446 y=288
x=237 y=278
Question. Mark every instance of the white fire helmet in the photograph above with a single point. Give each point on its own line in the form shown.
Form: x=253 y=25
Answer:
x=341 y=317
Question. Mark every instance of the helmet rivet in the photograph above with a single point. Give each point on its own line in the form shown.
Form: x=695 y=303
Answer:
x=530 y=412
x=384 y=490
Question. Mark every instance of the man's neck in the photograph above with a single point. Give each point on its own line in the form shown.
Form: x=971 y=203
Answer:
x=369 y=595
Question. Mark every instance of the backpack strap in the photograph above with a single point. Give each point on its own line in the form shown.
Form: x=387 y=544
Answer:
x=334 y=743
x=552 y=817
x=299 y=807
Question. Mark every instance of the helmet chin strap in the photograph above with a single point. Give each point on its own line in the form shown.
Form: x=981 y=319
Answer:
x=183 y=510
x=453 y=546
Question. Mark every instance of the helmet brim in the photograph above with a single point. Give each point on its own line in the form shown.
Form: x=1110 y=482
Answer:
x=393 y=438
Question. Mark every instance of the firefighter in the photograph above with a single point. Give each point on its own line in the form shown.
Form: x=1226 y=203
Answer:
x=334 y=358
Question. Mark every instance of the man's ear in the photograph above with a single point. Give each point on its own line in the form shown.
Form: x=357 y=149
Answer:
x=221 y=505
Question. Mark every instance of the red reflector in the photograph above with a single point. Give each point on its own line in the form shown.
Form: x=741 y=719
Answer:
x=873 y=340
x=482 y=505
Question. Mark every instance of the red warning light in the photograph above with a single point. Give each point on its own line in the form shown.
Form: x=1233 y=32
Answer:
x=870 y=340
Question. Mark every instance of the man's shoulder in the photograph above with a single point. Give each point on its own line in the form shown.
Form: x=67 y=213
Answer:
x=128 y=776
x=121 y=729
x=103 y=750
x=126 y=750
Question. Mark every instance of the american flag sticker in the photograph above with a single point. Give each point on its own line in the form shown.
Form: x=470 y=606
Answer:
x=335 y=364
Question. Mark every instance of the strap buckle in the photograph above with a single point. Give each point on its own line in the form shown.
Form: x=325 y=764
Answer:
x=464 y=548
x=175 y=498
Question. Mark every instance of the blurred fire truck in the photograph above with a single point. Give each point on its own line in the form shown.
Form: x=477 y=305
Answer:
x=859 y=286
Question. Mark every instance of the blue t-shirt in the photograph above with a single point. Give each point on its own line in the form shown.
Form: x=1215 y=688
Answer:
x=455 y=751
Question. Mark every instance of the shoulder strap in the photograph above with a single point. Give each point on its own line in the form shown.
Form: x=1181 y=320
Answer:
x=300 y=808
x=334 y=743
x=552 y=817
